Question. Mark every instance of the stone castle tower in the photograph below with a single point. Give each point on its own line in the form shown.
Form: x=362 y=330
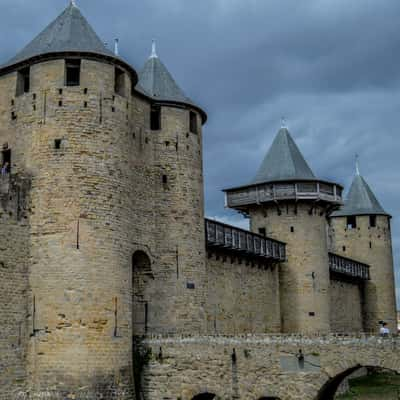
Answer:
x=104 y=192
x=286 y=201
x=361 y=230
x=104 y=244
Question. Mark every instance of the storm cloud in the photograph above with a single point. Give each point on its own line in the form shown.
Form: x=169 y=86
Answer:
x=331 y=67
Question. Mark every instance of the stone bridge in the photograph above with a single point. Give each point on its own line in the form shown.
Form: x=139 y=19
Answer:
x=257 y=367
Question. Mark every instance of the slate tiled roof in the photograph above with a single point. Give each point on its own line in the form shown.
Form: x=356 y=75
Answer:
x=360 y=201
x=157 y=82
x=283 y=161
x=69 y=32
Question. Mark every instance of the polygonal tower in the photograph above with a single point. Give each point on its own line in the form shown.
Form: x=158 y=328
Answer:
x=361 y=230
x=286 y=201
x=92 y=161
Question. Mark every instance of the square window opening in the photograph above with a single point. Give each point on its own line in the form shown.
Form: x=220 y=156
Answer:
x=351 y=222
x=72 y=72
x=155 y=118
x=119 y=84
x=262 y=231
x=23 y=81
x=193 y=122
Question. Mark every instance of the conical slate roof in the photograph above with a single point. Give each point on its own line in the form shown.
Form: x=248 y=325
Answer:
x=69 y=32
x=283 y=161
x=156 y=82
x=360 y=201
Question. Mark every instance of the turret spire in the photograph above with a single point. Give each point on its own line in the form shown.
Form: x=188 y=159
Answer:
x=357 y=166
x=153 y=49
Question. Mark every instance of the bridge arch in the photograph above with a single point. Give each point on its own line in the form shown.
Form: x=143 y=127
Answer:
x=330 y=387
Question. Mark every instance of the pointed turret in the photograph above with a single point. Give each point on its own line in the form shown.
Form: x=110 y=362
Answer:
x=156 y=82
x=284 y=174
x=283 y=161
x=360 y=200
x=69 y=33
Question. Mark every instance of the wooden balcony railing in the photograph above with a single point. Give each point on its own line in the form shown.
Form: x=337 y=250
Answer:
x=346 y=267
x=242 y=197
x=242 y=241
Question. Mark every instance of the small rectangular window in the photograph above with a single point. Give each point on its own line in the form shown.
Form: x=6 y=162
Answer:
x=372 y=221
x=6 y=161
x=193 y=122
x=262 y=232
x=72 y=72
x=155 y=118
x=351 y=222
x=119 y=84
x=23 y=81
x=57 y=144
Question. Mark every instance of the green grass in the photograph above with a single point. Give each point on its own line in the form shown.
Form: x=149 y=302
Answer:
x=373 y=387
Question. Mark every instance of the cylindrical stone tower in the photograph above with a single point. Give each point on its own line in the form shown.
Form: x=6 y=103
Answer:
x=178 y=202
x=65 y=103
x=287 y=202
x=361 y=230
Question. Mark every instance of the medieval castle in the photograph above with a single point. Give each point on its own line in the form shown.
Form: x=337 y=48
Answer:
x=113 y=285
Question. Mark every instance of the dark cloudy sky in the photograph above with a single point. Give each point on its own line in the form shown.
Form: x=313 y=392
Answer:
x=331 y=67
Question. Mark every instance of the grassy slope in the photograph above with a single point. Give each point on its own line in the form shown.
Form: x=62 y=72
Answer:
x=374 y=387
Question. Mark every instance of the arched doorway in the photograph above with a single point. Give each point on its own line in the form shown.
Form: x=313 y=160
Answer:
x=142 y=278
x=204 y=396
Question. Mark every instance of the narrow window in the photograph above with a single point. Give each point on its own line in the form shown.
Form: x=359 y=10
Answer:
x=23 y=81
x=164 y=179
x=193 y=122
x=344 y=248
x=155 y=118
x=119 y=84
x=262 y=232
x=292 y=229
x=370 y=245
x=72 y=72
x=351 y=222
x=372 y=221
x=57 y=144
x=6 y=161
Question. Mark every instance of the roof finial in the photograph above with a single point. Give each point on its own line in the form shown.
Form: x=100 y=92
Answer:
x=283 y=123
x=357 y=165
x=153 y=49
x=116 y=47
x=73 y=3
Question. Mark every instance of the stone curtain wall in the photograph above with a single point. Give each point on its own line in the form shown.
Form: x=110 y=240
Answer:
x=346 y=307
x=256 y=366
x=241 y=297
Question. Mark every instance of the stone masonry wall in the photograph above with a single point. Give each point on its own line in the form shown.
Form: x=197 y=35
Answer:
x=304 y=278
x=256 y=366
x=13 y=285
x=242 y=297
x=346 y=307
x=373 y=246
